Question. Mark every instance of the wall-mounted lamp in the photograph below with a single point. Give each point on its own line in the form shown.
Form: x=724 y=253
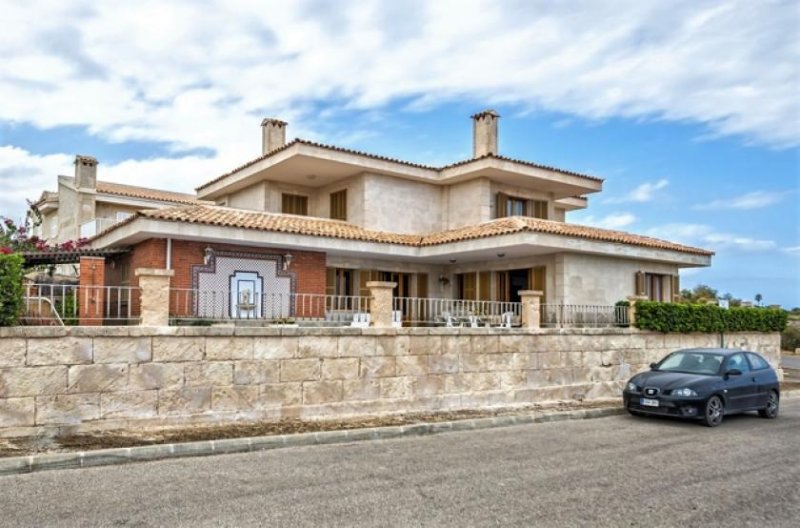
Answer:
x=208 y=254
x=444 y=280
x=452 y=261
x=287 y=261
x=501 y=255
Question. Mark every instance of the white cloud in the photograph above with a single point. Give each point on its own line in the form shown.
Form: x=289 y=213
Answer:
x=708 y=237
x=795 y=250
x=610 y=221
x=751 y=200
x=643 y=193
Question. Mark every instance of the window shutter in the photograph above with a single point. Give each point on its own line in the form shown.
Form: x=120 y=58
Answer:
x=500 y=205
x=639 y=286
x=676 y=287
x=363 y=278
x=330 y=281
x=484 y=291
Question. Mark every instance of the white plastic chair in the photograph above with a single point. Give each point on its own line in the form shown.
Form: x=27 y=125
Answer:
x=397 y=319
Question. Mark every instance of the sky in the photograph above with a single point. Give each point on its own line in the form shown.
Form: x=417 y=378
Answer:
x=688 y=109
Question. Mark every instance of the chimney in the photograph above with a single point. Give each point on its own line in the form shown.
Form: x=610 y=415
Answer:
x=85 y=172
x=273 y=134
x=484 y=133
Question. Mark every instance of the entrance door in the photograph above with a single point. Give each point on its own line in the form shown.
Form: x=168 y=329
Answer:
x=246 y=292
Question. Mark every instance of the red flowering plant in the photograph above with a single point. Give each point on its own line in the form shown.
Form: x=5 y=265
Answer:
x=18 y=238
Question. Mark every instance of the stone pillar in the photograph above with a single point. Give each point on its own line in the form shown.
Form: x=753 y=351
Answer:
x=484 y=133
x=154 y=285
x=380 y=307
x=531 y=308
x=273 y=134
x=633 y=299
x=92 y=292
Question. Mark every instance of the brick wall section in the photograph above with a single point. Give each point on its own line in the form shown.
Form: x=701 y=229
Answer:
x=92 y=379
x=308 y=266
x=92 y=294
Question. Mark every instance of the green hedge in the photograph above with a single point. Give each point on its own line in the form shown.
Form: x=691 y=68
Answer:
x=671 y=317
x=10 y=289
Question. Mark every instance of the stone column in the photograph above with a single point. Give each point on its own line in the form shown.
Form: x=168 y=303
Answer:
x=633 y=299
x=380 y=307
x=531 y=308
x=91 y=294
x=154 y=285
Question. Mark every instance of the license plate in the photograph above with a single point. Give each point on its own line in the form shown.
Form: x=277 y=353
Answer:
x=647 y=402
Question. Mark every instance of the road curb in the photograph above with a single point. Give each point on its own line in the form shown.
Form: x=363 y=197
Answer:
x=128 y=455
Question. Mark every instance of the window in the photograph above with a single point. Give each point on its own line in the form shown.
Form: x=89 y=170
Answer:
x=516 y=206
x=757 y=361
x=294 y=204
x=340 y=281
x=738 y=362
x=339 y=205
x=654 y=286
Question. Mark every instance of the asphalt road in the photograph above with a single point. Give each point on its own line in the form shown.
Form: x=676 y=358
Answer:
x=618 y=471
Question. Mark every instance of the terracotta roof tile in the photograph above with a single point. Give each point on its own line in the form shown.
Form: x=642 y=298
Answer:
x=148 y=194
x=299 y=141
x=305 y=225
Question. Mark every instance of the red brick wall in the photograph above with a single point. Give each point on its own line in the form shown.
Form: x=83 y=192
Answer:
x=307 y=266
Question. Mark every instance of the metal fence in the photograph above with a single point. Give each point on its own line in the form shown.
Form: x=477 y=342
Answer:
x=583 y=315
x=72 y=304
x=419 y=311
x=286 y=308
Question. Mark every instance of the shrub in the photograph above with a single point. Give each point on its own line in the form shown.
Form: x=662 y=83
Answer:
x=11 y=292
x=669 y=317
x=790 y=338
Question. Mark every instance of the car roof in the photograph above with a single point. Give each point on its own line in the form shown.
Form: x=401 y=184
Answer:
x=722 y=351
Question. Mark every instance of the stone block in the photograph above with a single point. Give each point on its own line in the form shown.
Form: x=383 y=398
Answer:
x=549 y=360
x=147 y=376
x=340 y=368
x=130 y=405
x=300 y=369
x=427 y=385
x=275 y=347
x=392 y=345
x=226 y=348
x=281 y=394
x=122 y=349
x=360 y=346
x=235 y=398
x=411 y=365
x=98 y=378
x=186 y=401
x=315 y=392
x=61 y=351
x=592 y=359
x=208 y=373
x=361 y=389
x=515 y=343
x=378 y=367
x=32 y=381
x=12 y=352
x=443 y=364
x=17 y=412
x=513 y=379
x=480 y=381
x=425 y=345
x=485 y=344
x=174 y=349
x=256 y=372
x=396 y=388
x=538 y=378
x=318 y=346
x=67 y=408
x=458 y=344
x=572 y=359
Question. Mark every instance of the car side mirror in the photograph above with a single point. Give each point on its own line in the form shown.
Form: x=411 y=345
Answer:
x=732 y=372
x=653 y=366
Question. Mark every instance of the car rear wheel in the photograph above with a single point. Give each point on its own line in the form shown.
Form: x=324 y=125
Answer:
x=773 y=405
x=714 y=411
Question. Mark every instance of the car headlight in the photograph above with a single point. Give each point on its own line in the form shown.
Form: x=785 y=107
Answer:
x=684 y=392
x=632 y=387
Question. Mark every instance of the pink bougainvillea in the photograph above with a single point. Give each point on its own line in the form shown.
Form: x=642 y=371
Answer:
x=17 y=239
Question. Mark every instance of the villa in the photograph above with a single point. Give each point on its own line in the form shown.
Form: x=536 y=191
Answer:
x=308 y=219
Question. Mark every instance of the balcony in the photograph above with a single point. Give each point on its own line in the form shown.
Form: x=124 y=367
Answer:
x=98 y=225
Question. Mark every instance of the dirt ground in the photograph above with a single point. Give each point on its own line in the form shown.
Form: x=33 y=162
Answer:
x=126 y=438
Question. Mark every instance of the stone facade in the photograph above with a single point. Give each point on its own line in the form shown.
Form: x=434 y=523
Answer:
x=121 y=377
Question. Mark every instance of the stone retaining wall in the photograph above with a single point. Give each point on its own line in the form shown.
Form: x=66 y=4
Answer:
x=82 y=379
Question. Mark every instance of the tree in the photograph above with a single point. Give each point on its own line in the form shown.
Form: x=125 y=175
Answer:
x=759 y=297
x=700 y=294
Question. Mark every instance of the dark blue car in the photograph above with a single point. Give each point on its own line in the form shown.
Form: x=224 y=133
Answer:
x=705 y=384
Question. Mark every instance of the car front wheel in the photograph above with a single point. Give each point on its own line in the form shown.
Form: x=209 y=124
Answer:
x=714 y=411
x=773 y=404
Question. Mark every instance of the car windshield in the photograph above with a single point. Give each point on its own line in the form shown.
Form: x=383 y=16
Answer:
x=691 y=363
